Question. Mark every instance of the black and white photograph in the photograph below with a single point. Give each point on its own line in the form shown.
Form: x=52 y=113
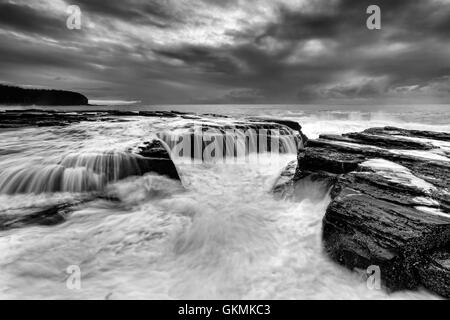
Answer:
x=224 y=150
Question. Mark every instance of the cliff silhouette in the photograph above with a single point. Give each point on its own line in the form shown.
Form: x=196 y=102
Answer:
x=24 y=96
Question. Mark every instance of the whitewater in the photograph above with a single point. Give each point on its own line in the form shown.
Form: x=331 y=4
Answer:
x=221 y=234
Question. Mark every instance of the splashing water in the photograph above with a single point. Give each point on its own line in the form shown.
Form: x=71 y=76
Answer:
x=223 y=235
x=74 y=173
x=226 y=139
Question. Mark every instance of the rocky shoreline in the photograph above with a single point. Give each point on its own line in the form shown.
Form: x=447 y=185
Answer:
x=10 y=119
x=148 y=157
x=390 y=202
x=389 y=188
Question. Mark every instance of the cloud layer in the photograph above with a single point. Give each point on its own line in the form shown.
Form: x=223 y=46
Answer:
x=235 y=51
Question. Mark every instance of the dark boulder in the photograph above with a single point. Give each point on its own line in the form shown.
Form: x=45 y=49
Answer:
x=390 y=203
x=156 y=158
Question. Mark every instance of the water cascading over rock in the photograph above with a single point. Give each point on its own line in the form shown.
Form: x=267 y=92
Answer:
x=83 y=172
x=48 y=178
x=198 y=141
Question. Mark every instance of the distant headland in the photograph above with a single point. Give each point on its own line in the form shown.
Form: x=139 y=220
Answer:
x=12 y=95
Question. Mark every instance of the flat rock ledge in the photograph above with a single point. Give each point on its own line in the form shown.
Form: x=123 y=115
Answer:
x=390 y=203
x=11 y=119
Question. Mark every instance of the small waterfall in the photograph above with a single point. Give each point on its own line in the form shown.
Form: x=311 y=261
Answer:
x=213 y=142
x=112 y=166
x=74 y=173
x=37 y=179
x=81 y=180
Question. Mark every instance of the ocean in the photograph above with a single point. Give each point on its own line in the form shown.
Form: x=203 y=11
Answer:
x=225 y=237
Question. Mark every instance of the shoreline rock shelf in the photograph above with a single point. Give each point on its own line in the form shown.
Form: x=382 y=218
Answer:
x=16 y=118
x=390 y=203
x=91 y=173
x=389 y=189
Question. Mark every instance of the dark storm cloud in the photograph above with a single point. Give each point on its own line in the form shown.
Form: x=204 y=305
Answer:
x=204 y=58
x=167 y=51
x=24 y=18
x=295 y=26
x=151 y=12
x=419 y=26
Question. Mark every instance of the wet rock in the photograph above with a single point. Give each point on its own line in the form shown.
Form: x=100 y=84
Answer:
x=87 y=172
x=442 y=136
x=215 y=115
x=156 y=158
x=366 y=225
x=313 y=187
x=265 y=133
x=380 y=140
x=27 y=118
x=153 y=149
x=283 y=187
x=333 y=155
x=46 y=118
x=231 y=138
x=48 y=216
x=288 y=123
x=162 y=114
x=434 y=272
x=293 y=125
x=390 y=203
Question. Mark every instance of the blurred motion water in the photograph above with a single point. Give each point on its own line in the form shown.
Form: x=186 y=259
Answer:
x=222 y=236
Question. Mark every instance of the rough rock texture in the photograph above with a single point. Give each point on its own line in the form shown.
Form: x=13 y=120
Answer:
x=158 y=159
x=391 y=203
x=436 y=271
x=288 y=123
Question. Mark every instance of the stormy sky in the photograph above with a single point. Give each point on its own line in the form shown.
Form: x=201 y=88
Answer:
x=231 y=51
